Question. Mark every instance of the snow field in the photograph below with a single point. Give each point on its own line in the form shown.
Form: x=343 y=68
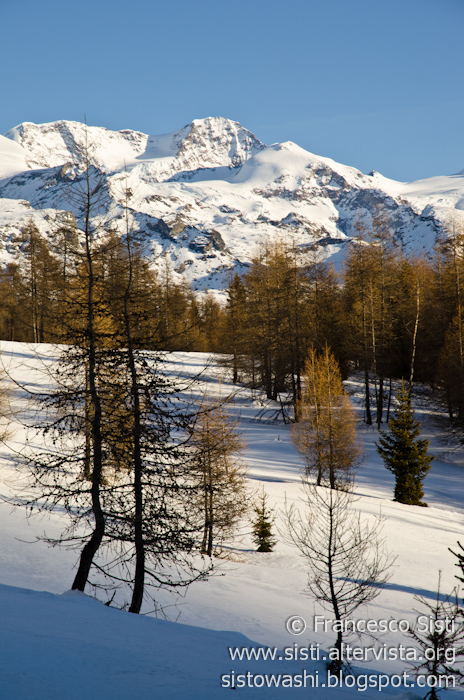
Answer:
x=57 y=646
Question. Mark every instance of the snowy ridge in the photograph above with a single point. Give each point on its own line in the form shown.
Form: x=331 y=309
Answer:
x=205 y=195
x=54 y=144
x=205 y=143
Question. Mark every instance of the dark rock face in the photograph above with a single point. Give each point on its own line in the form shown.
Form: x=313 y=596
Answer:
x=161 y=228
x=217 y=241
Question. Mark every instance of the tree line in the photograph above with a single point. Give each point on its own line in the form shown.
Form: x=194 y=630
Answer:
x=34 y=295
x=387 y=314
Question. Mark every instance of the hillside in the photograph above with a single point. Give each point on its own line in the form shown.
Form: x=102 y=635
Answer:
x=63 y=646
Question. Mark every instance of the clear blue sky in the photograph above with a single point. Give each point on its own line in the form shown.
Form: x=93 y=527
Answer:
x=376 y=85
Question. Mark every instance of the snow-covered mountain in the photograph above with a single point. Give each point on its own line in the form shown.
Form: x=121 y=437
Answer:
x=204 y=196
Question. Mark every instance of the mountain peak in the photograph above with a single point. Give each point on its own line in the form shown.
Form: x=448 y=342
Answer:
x=55 y=143
x=215 y=121
x=220 y=142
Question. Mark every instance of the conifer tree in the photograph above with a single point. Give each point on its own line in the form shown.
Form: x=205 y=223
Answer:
x=441 y=643
x=262 y=525
x=371 y=300
x=326 y=436
x=235 y=325
x=450 y=274
x=356 y=316
x=148 y=496
x=285 y=303
x=403 y=453
x=218 y=476
x=114 y=457
x=11 y=309
x=382 y=299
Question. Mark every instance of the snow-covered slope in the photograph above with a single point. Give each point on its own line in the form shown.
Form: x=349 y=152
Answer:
x=61 y=646
x=12 y=158
x=204 y=196
x=71 y=647
x=204 y=143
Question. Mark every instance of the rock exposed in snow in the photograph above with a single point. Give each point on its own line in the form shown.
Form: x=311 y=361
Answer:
x=205 y=196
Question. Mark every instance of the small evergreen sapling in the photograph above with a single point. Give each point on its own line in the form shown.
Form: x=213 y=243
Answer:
x=405 y=455
x=262 y=525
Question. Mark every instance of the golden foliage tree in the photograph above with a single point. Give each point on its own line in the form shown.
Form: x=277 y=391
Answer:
x=326 y=436
x=219 y=475
x=286 y=302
